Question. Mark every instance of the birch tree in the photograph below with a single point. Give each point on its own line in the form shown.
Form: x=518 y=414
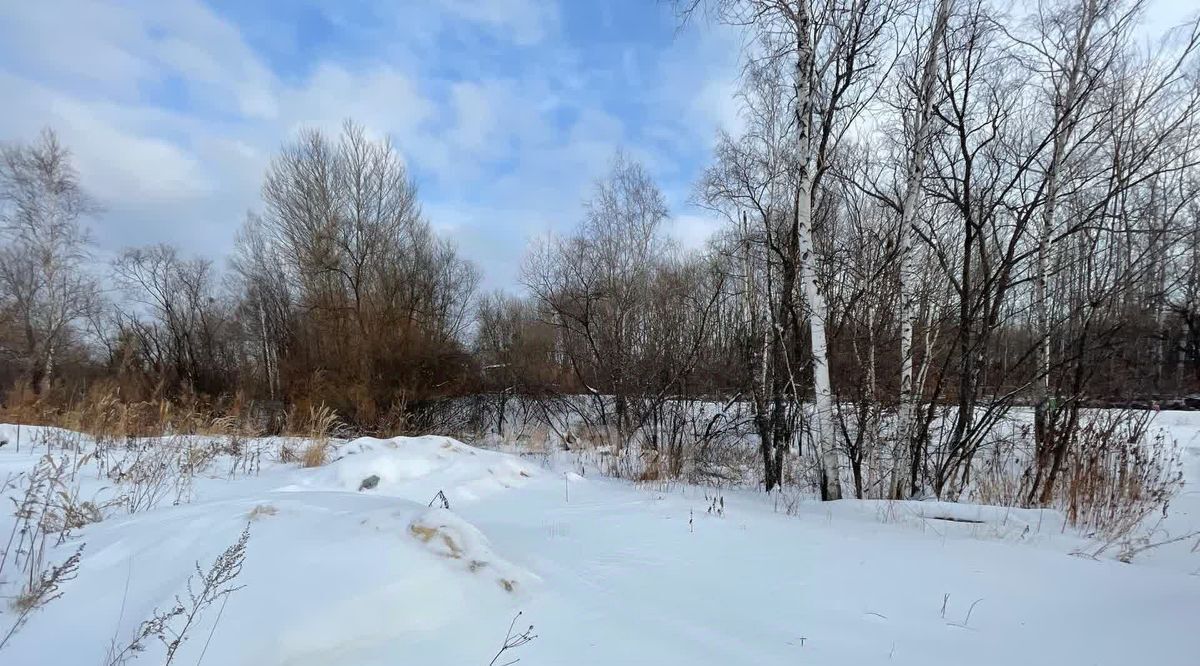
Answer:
x=43 y=281
x=924 y=91
x=751 y=184
x=1109 y=164
x=835 y=49
x=1076 y=44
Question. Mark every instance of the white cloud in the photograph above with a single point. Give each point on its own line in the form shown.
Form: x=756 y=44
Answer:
x=526 y=22
x=114 y=158
x=120 y=165
x=702 y=74
x=118 y=49
x=382 y=98
x=692 y=231
x=475 y=105
x=82 y=69
x=80 y=42
x=504 y=158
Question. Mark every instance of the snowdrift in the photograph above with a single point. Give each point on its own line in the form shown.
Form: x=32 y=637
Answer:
x=331 y=575
x=417 y=468
x=360 y=562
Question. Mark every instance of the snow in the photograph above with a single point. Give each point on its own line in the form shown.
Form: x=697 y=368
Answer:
x=608 y=572
x=417 y=468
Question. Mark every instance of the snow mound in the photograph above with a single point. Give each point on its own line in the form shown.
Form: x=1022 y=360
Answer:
x=447 y=535
x=417 y=468
x=330 y=578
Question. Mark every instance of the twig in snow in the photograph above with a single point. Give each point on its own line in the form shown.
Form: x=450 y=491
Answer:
x=42 y=591
x=112 y=642
x=442 y=497
x=967 y=620
x=1134 y=549
x=966 y=623
x=513 y=641
x=213 y=630
x=171 y=626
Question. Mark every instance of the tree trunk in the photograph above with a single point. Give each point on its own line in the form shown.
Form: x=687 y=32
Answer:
x=825 y=449
x=908 y=272
x=1065 y=115
x=47 y=370
x=823 y=436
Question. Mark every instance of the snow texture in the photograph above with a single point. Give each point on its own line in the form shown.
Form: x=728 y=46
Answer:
x=608 y=572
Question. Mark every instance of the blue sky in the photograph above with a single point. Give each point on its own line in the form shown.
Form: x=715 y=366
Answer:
x=504 y=110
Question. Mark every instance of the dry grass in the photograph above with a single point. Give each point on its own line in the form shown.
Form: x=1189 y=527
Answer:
x=230 y=424
x=319 y=422
x=287 y=454
x=1117 y=473
x=317 y=426
x=315 y=454
x=427 y=534
x=104 y=412
x=1120 y=474
x=650 y=471
x=261 y=511
x=537 y=440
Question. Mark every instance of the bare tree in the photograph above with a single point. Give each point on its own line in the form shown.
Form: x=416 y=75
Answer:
x=347 y=293
x=632 y=316
x=173 y=314
x=45 y=287
x=595 y=284
x=836 y=50
x=921 y=124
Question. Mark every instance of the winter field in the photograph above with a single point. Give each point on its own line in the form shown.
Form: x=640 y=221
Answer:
x=355 y=560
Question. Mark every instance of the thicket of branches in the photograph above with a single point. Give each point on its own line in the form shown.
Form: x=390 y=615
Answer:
x=937 y=210
x=339 y=292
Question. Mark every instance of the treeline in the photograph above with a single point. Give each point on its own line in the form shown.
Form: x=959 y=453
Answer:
x=936 y=211
x=339 y=292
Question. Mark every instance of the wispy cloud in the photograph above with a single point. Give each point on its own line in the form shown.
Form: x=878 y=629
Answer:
x=505 y=110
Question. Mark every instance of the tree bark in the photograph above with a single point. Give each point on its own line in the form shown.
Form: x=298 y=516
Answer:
x=908 y=273
x=1065 y=117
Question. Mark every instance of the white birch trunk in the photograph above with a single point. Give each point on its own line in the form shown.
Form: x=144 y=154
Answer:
x=1066 y=113
x=823 y=436
x=824 y=439
x=47 y=370
x=908 y=272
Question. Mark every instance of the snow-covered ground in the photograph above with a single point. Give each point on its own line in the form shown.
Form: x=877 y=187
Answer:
x=348 y=564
